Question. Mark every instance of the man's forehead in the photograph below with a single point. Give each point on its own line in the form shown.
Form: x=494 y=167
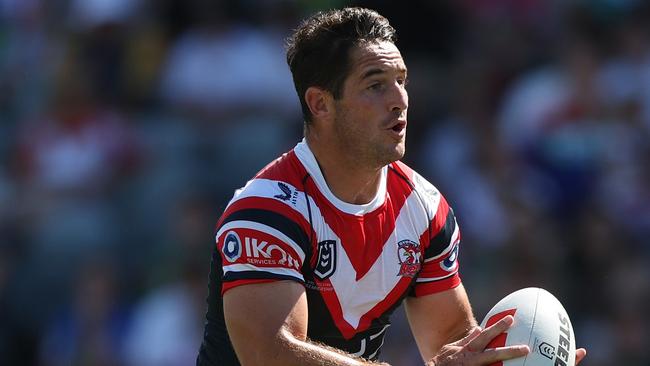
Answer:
x=376 y=55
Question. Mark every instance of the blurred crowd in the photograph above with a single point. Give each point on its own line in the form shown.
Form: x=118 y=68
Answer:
x=125 y=126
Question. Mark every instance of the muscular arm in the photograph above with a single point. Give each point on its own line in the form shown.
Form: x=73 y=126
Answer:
x=267 y=324
x=439 y=319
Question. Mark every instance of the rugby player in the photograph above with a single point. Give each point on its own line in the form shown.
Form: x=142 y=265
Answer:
x=316 y=251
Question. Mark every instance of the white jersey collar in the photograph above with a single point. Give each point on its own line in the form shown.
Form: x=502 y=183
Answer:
x=308 y=160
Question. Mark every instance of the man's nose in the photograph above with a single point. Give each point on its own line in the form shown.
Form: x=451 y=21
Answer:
x=399 y=98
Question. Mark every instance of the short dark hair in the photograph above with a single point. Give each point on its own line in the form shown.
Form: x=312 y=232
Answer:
x=318 y=50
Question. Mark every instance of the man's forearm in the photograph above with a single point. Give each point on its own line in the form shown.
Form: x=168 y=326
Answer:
x=293 y=351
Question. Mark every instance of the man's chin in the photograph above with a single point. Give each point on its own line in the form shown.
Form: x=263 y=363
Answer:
x=400 y=150
x=396 y=153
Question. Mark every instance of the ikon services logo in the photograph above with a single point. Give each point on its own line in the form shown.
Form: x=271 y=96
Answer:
x=231 y=247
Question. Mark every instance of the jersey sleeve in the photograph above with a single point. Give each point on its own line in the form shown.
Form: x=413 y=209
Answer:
x=440 y=264
x=260 y=243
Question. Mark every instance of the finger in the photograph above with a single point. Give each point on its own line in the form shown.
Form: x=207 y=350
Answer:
x=479 y=343
x=468 y=338
x=580 y=354
x=501 y=354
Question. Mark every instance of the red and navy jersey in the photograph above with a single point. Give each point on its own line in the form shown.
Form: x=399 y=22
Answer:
x=356 y=262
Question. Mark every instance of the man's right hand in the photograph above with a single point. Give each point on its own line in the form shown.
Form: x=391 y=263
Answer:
x=470 y=351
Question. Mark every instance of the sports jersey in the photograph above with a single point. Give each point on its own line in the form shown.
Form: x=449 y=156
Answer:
x=356 y=262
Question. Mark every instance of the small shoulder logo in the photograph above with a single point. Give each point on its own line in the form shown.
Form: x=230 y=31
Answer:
x=326 y=260
x=450 y=263
x=286 y=192
x=408 y=253
x=231 y=246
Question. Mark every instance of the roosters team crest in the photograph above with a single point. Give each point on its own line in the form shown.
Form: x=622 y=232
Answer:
x=408 y=253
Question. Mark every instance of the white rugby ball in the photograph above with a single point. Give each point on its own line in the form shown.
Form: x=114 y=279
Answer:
x=540 y=322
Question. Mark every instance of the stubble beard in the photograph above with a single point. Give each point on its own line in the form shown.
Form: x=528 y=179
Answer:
x=360 y=149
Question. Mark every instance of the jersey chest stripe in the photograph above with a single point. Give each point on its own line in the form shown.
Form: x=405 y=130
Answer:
x=333 y=304
x=381 y=286
x=363 y=237
x=392 y=298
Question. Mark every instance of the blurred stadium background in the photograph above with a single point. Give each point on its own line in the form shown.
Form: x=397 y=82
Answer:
x=125 y=126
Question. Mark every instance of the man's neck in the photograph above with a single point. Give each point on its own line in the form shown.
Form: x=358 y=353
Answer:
x=349 y=179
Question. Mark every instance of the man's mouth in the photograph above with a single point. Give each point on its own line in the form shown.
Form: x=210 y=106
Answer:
x=399 y=126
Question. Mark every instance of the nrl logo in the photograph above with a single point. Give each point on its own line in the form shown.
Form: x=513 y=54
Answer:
x=408 y=253
x=326 y=261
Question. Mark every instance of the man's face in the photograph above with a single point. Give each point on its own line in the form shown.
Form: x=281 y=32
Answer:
x=370 y=116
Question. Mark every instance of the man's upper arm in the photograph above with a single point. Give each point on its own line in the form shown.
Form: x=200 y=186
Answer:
x=438 y=319
x=258 y=317
x=263 y=242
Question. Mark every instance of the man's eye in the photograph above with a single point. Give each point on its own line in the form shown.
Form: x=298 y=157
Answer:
x=374 y=86
x=404 y=81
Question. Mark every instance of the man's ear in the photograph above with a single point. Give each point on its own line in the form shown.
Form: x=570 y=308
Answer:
x=319 y=102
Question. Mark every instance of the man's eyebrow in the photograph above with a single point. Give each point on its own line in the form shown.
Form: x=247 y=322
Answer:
x=372 y=72
x=376 y=71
